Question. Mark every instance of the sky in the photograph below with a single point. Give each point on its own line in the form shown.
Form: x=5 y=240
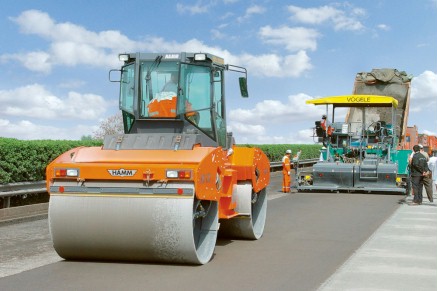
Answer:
x=55 y=57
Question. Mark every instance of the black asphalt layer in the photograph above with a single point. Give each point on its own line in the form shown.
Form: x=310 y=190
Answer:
x=308 y=236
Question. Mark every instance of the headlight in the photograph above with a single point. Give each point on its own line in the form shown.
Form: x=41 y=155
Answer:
x=62 y=172
x=172 y=174
x=72 y=172
x=123 y=57
x=200 y=57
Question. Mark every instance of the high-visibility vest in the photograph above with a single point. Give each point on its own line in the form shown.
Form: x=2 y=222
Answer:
x=286 y=164
x=323 y=125
x=165 y=107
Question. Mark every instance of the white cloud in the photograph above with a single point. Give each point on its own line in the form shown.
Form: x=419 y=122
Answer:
x=70 y=53
x=266 y=122
x=424 y=87
x=328 y=14
x=38 y=103
x=287 y=137
x=252 y=10
x=282 y=121
x=37 y=61
x=72 y=84
x=28 y=130
x=198 y=8
x=255 y=9
x=226 y=16
x=72 y=45
x=217 y=34
x=292 y=38
x=420 y=45
x=247 y=129
x=271 y=65
x=384 y=27
x=313 y=15
x=305 y=136
x=423 y=91
x=276 y=111
x=4 y=122
x=427 y=132
x=39 y=23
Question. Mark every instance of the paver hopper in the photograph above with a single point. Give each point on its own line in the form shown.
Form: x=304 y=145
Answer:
x=160 y=191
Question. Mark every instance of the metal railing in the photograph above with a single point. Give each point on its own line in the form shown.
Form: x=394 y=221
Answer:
x=18 y=189
x=302 y=163
x=25 y=188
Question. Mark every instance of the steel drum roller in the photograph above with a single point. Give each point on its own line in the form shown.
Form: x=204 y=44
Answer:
x=134 y=228
x=252 y=208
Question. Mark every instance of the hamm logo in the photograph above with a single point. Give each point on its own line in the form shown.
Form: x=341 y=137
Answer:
x=122 y=173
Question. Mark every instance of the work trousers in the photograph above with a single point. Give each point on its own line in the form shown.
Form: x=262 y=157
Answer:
x=428 y=183
x=417 y=182
x=286 y=183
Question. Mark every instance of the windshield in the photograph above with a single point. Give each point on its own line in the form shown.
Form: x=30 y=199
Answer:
x=369 y=121
x=170 y=90
x=158 y=89
x=166 y=93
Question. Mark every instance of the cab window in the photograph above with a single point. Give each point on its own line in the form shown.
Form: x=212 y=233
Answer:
x=196 y=97
x=159 y=86
x=127 y=89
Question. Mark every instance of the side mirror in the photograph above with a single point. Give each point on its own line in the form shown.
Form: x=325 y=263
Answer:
x=117 y=78
x=243 y=87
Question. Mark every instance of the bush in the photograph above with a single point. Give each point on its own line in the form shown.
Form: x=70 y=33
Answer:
x=22 y=161
x=275 y=152
x=27 y=160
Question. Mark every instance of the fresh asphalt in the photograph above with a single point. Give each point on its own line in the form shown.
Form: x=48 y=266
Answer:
x=312 y=241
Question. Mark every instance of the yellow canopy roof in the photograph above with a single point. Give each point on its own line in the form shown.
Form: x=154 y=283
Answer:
x=356 y=101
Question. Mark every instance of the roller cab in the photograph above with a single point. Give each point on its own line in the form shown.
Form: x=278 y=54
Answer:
x=163 y=190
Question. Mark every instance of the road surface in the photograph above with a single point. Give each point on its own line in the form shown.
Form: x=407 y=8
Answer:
x=308 y=236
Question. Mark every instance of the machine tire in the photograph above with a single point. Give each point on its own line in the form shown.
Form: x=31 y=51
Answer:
x=253 y=210
x=205 y=229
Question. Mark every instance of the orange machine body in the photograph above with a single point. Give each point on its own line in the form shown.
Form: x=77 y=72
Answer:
x=213 y=172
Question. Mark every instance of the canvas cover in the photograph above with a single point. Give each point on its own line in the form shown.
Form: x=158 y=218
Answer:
x=386 y=82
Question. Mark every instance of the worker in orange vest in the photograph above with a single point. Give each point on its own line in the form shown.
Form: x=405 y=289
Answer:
x=286 y=172
x=326 y=125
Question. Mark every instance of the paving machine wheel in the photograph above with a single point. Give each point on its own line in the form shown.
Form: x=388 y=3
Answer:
x=252 y=209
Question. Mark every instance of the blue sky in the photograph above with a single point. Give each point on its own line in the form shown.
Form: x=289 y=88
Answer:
x=55 y=57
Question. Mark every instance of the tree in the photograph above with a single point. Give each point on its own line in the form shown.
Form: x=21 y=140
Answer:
x=86 y=137
x=112 y=125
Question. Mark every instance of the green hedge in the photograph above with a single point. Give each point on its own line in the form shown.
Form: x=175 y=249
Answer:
x=275 y=152
x=27 y=160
